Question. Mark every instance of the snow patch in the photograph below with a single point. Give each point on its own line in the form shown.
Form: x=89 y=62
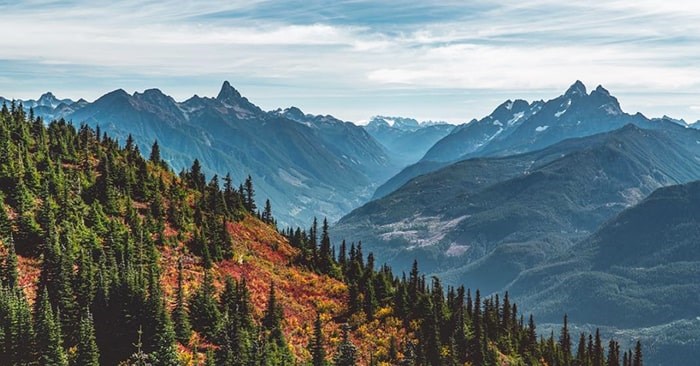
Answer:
x=611 y=110
x=497 y=123
x=541 y=128
x=516 y=117
x=566 y=108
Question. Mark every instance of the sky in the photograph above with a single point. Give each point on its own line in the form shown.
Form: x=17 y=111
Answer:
x=431 y=60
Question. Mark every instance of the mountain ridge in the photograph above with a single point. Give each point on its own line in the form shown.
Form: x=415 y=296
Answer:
x=228 y=133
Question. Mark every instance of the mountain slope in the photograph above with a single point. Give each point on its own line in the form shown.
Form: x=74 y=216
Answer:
x=485 y=220
x=642 y=267
x=323 y=168
x=347 y=140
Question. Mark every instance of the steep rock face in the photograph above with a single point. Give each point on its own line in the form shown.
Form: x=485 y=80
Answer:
x=476 y=135
x=306 y=165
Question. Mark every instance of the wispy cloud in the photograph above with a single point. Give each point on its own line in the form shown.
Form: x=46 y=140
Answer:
x=431 y=59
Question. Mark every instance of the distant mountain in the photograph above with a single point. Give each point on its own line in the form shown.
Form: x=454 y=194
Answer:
x=47 y=100
x=475 y=135
x=345 y=139
x=518 y=127
x=482 y=221
x=642 y=267
x=310 y=165
x=406 y=139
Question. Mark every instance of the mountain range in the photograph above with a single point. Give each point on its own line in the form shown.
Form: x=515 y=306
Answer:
x=308 y=165
x=405 y=138
x=518 y=126
x=563 y=203
x=569 y=203
x=486 y=219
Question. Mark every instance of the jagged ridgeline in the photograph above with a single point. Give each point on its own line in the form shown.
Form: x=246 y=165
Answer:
x=109 y=258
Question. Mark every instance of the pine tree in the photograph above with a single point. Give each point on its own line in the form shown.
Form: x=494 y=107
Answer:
x=196 y=176
x=209 y=358
x=9 y=270
x=204 y=313
x=49 y=344
x=598 y=355
x=318 y=353
x=139 y=358
x=273 y=315
x=565 y=341
x=325 y=257
x=87 y=353
x=183 y=329
x=267 y=212
x=5 y=225
x=613 y=354
x=165 y=353
x=581 y=354
x=638 y=360
x=347 y=352
x=249 y=195
x=155 y=154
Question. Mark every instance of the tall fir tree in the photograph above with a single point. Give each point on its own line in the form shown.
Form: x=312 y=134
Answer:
x=316 y=346
x=638 y=360
x=87 y=353
x=181 y=319
x=49 y=343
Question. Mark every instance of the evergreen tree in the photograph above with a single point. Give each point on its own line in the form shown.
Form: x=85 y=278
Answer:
x=267 y=212
x=581 y=354
x=196 y=177
x=165 y=353
x=347 y=352
x=325 y=257
x=318 y=353
x=203 y=310
x=49 y=344
x=5 y=224
x=155 y=154
x=249 y=195
x=598 y=356
x=87 y=353
x=565 y=342
x=183 y=329
x=9 y=270
x=638 y=360
x=273 y=315
x=613 y=354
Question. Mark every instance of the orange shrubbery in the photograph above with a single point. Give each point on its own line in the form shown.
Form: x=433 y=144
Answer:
x=262 y=256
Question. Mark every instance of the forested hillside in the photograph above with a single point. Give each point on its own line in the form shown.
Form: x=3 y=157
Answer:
x=109 y=258
x=306 y=164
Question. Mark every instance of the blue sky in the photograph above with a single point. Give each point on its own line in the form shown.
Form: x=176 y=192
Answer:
x=440 y=60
